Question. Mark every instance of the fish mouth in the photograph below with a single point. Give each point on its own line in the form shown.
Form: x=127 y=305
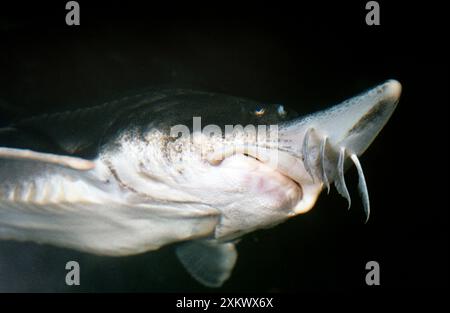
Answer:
x=283 y=163
x=291 y=176
x=292 y=168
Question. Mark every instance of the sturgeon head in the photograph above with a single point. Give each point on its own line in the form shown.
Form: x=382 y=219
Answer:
x=255 y=165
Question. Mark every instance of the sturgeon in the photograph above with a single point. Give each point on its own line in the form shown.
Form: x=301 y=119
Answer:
x=137 y=174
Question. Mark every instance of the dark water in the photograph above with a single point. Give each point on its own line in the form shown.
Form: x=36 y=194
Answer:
x=304 y=58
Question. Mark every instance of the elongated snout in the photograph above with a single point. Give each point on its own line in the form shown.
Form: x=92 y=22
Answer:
x=355 y=123
x=359 y=120
x=326 y=139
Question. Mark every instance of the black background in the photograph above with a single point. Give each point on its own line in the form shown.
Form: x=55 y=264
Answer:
x=307 y=57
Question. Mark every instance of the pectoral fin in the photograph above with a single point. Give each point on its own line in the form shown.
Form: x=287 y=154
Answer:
x=209 y=263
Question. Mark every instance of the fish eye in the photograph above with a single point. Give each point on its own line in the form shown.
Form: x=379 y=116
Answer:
x=281 y=111
x=260 y=111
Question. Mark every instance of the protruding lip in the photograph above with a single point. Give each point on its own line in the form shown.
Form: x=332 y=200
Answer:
x=284 y=163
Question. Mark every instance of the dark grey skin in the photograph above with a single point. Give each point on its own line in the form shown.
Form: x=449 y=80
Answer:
x=85 y=132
